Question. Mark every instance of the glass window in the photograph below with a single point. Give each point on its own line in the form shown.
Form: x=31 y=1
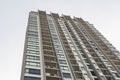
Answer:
x=103 y=57
x=82 y=68
x=66 y=75
x=33 y=47
x=62 y=61
x=33 y=57
x=32 y=27
x=115 y=75
x=103 y=78
x=108 y=63
x=64 y=68
x=32 y=39
x=36 y=64
x=33 y=71
x=31 y=78
x=33 y=23
x=36 y=35
x=32 y=52
x=60 y=56
x=57 y=47
x=33 y=17
x=49 y=21
x=32 y=43
x=110 y=68
x=89 y=66
x=86 y=76
x=33 y=32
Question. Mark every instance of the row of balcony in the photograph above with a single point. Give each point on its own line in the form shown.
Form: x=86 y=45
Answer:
x=74 y=65
x=112 y=57
x=89 y=48
x=51 y=66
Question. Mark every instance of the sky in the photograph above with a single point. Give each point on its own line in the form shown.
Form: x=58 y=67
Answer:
x=104 y=14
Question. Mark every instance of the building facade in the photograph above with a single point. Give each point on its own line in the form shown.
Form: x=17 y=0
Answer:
x=62 y=48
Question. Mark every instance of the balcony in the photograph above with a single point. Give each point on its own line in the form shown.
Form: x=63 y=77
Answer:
x=53 y=78
x=116 y=62
x=48 y=53
x=47 y=36
x=45 y=31
x=76 y=69
x=69 y=51
x=87 y=45
x=112 y=57
x=52 y=73
x=71 y=57
x=97 y=60
x=49 y=59
x=90 y=50
x=65 y=42
x=51 y=67
x=47 y=43
x=109 y=77
x=48 y=48
x=118 y=66
x=100 y=65
x=105 y=72
x=44 y=27
x=79 y=76
x=73 y=62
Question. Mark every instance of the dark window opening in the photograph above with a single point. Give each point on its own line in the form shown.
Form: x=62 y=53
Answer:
x=31 y=78
x=33 y=71
x=66 y=75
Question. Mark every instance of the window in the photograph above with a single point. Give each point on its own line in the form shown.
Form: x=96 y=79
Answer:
x=103 y=57
x=57 y=47
x=33 y=57
x=89 y=66
x=60 y=56
x=32 y=52
x=35 y=32
x=108 y=63
x=86 y=61
x=31 y=78
x=86 y=76
x=82 y=68
x=32 y=47
x=64 y=68
x=77 y=58
x=110 y=68
x=93 y=73
x=31 y=27
x=32 y=39
x=59 y=51
x=35 y=35
x=33 y=17
x=115 y=75
x=103 y=78
x=62 y=61
x=66 y=75
x=33 y=71
x=55 y=38
x=36 y=64
x=49 y=21
x=33 y=22
x=32 y=43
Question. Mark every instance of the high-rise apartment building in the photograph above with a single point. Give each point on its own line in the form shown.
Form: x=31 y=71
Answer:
x=62 y=48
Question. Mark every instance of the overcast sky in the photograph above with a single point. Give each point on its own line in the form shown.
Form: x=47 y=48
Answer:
x=104 y=14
